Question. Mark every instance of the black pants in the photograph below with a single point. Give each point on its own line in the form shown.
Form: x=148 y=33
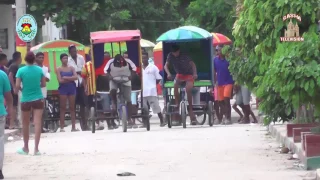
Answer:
x=81 y=96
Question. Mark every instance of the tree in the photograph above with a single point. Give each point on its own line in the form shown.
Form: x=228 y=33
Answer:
x=85 y=16
x=285 y=75
x=213 y=15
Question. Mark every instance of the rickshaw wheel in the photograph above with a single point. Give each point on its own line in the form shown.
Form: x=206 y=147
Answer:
x=183 y=114
x=124 y=118
x=146 y=119
x=168 y=115
x=210 y=112
x=93 y=125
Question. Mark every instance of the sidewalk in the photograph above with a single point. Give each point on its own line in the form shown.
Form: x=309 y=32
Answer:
x=279 y=132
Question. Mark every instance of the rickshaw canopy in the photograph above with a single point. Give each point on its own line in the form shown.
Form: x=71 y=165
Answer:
x=114 y=36
x=185 y=33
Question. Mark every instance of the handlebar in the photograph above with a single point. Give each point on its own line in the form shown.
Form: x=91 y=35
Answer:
x=120 y=79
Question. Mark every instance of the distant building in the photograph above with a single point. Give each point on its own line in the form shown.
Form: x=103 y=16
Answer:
x=292 y=30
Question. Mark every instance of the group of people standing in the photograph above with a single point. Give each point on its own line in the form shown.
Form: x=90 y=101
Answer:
x=224 y=91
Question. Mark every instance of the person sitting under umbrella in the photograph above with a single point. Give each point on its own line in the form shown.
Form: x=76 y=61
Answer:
x=186 y=72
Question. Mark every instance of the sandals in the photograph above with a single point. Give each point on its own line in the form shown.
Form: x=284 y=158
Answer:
x=22 y=152
x=75 y=130
x=37 y=153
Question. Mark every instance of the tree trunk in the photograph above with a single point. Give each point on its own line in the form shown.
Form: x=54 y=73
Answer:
x=305 y=114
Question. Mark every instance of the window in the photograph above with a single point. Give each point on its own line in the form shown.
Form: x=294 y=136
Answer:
x=4 y=38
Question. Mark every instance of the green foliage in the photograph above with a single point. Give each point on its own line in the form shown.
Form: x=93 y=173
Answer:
x=85 y=16
x=213 y=15
x=284 y=75
x=225 y=50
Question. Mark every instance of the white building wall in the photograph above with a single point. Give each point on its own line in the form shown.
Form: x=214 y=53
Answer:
x=7 y=21
x=50 y=31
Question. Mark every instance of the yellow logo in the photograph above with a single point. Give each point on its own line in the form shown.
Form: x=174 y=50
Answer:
x=292 y=33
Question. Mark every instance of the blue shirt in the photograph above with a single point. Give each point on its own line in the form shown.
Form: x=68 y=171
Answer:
x=30 y=76
x=4 y=88
x=221 y=67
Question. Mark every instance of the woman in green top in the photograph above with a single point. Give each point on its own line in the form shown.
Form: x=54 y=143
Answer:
x=32 y=78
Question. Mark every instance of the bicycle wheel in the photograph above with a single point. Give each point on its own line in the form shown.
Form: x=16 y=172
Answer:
x=124 y=118
x=183 y=114
x=210 y=112
x=168 y=115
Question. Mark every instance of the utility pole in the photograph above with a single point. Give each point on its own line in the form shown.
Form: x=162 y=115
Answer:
x=21 y=46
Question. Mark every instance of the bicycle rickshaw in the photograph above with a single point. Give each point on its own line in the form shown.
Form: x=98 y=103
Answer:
x=132 y=40
x=198 y=44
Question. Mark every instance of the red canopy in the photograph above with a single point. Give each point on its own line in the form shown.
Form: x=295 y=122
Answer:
x=114 y=36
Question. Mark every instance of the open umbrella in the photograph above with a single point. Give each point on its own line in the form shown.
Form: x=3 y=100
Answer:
x=219 y=39
x=184 y=33
x=145 y=43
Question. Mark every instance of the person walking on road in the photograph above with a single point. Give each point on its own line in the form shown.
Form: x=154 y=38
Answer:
x=151 y=78
x=77 y=61
x=67 y=90
x=225 y=83
x=32 y=78
x=5 y=95
x=13 y=69
x=243 y=100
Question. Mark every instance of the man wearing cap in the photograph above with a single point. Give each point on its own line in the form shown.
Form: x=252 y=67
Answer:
x=77 y=62
x=186 y=72
x=225 y=82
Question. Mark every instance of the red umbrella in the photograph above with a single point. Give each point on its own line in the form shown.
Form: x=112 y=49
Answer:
x=219 y=39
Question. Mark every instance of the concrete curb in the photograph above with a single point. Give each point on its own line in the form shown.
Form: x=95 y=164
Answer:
x=279 y=132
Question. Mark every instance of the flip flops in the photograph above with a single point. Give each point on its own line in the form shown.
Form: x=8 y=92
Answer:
x=22 y=152
x=37 y=153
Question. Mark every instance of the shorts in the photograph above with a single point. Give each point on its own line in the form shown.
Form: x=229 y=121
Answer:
x=80 y=96
x=126 y=90
x=27 y=106
x=153 y=102
x=224 y=91
x=134 y=98
x=243 y=96
x=15 y=98
x=184 y=78
x=67 y=89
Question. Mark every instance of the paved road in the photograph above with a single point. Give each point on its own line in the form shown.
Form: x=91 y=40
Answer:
x=241 y=152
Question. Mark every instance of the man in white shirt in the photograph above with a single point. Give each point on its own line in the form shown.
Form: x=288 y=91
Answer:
x=77 y=62
x=151 y=78
x=46 y=72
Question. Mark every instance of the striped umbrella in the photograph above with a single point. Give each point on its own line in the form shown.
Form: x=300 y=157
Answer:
x=145 y=43
x=184 y=33
x=219 y=39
